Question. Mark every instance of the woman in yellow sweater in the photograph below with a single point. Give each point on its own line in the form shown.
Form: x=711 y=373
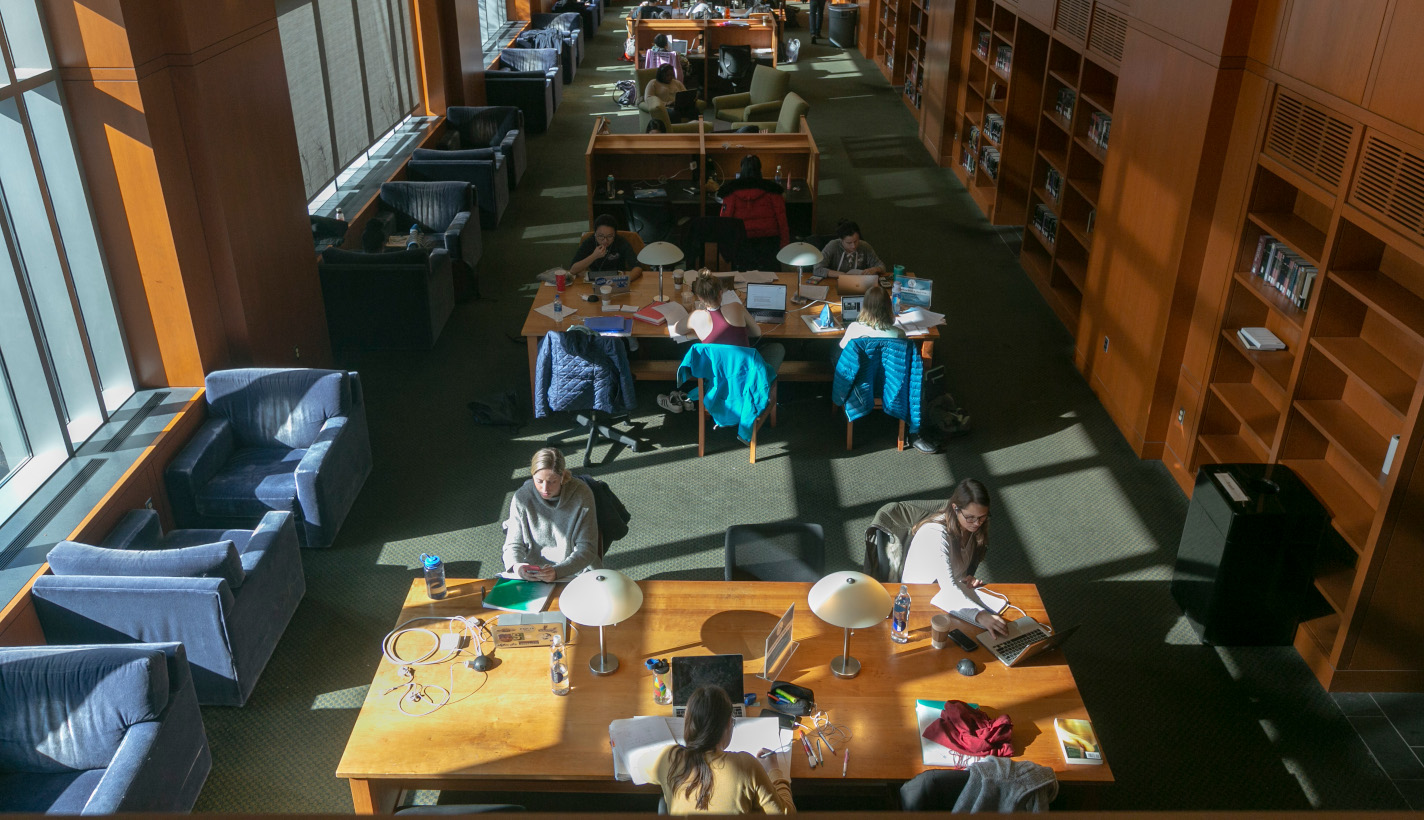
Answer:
x=700 y=778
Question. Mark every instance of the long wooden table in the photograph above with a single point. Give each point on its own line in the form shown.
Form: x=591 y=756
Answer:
x=506 y=731
x=645 y=291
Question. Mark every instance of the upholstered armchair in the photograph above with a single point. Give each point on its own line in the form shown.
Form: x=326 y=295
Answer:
x=591 y=12
x=529 y=78
x=100 y=730
x=483 y=168
x=226 y=595
x=761 y=102
x=386 y=301
x=275 y=439
x=498 y=128
x=650 y=109
x=441 y=209
x=569 y=25
x=549 y=38
x=792 y=110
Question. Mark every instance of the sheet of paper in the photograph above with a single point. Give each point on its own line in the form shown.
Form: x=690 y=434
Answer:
x=815 y=328
x=637 y=741
x=933 y=754
x=918 y=321
x=729 y=296
x=751 y=735
x=614 y=308
x=759 y=277
x=548 y=310
x=816 y=293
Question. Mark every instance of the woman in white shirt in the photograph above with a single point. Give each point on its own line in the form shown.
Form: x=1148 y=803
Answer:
x=876 y=319
x=947 y=547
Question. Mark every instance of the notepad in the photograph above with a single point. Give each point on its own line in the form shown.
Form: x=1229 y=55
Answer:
x=933 y=754
x=514 y=595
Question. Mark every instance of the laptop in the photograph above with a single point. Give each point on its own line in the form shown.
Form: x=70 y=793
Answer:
x=685 y=104
x=850 y=308
x=692 y=671
x=619 y=282
x=767 y=303
x=858 y=283
x=1026 y=638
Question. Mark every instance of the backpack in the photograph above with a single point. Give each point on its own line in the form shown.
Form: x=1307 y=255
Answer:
x=625 y=92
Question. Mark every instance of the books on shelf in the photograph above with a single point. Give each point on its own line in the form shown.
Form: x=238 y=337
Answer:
x=1283 y=269
x=1067 y=98
x=994 y=127
x=989 y=158
x=1259 y=338
x=1053 y=184
x=1092 y=214
x=1045 y=222
x=1078 y=741
x=1099 y=126
x=981 y=46
x=1003 y=57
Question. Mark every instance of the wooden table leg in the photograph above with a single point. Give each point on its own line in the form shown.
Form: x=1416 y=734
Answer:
x=927 y=349
x=533 y=342
x=374 y=796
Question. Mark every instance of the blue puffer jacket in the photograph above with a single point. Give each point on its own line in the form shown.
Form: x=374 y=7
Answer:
x=738 y=383
x=578 y=370
x=885 y=369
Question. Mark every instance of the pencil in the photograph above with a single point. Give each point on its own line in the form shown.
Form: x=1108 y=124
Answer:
x=845 y=763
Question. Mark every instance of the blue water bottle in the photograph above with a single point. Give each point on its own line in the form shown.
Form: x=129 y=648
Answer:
x=900 y=617
x=434 y=576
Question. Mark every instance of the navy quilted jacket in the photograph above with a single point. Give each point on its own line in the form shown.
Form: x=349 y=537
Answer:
x=885 y=369
x=578 y=370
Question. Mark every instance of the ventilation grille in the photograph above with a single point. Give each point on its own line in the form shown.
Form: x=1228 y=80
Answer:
x=1107 y=33
x=1309 y=139
x=1390 y=184
x=1072 y=18
x=118 y=439
x=43 y=518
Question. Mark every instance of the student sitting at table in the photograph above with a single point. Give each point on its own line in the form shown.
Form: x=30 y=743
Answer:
x=761 y=205
x=552 y=530
x=876 y=319
x=716 y=323
x=665 y=86
x=605 y=251
x=699 y=777
x=848 y=253
x=947 y=547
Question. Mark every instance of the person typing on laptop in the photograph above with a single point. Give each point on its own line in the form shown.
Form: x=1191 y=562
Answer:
x=605 y=251
x=848 y=253
x=875 y=321
x=666 y=86
x=947 y=547
x=552 y=531
x=716 y=323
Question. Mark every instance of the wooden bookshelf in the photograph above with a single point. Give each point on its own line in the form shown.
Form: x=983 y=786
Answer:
x=889 y=38
x=917 y=34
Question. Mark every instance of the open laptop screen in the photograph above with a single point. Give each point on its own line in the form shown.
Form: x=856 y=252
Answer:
x=766 y=297
x=692 y=671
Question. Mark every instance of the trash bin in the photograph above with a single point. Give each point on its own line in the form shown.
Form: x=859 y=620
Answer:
x=844 y=19
x=1245 y=564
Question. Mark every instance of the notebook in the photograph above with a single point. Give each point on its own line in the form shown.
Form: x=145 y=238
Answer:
x=692 y=671
x=767 y=303
x=514 y=595
x=1025 y=639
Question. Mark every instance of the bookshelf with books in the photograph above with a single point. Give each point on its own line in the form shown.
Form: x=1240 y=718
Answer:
x=917 y=32
x=888 y=38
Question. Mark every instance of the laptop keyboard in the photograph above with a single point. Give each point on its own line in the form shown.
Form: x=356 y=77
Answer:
x=1010 y=649
x=768 y=318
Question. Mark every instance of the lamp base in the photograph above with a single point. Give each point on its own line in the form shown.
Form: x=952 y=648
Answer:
x=845 y=667
x=606 y=663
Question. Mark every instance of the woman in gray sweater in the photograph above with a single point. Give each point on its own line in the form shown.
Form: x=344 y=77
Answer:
x=552 y=531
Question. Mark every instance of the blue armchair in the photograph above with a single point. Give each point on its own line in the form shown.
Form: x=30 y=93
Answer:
x=100 y=730
x=276 y=439
x=483 y=168
x=498 y=128
x=442 y=209
x=226 y=595
x=569 y=25
x=530 y=79
x=381 y=301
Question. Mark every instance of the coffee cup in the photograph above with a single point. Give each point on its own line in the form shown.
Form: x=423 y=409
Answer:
x=939 y=631
x=677 y=279
x=560 y=281
x=605 y=292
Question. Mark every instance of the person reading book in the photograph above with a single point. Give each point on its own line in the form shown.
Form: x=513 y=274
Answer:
x=605 y=252
x=552 y=530
x=946 y=549
x=717 y=323
x=700 y=777
x=848 y=253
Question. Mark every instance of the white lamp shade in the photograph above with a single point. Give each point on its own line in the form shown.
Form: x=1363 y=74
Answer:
x=850 y=599
x=799 y=255
x=600 y=597
x=660 y=254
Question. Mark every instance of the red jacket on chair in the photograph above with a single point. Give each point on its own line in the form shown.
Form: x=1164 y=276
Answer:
x=759 y=204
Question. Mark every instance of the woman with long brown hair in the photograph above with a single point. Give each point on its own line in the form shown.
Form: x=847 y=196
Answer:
x=698 y=777
x=946 y=549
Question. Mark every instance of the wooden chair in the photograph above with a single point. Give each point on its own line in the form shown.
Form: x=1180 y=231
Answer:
x=850 y=431
x=769 y=412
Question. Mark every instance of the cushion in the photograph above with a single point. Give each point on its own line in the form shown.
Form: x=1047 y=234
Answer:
x=252 y=482
x=529 y=59
x=276 y=407
x=463 y=155
x=336 y=256
x=68 y=710
x=215 y=560
x=62 y=793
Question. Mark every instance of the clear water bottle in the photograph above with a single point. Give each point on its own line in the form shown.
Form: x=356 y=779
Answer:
x=340 y=214
x=558 y=308
x=413 y=241
x=558 y=667
x=610 y=186
x=900 y=617
x=434 y=576
x=779 y=179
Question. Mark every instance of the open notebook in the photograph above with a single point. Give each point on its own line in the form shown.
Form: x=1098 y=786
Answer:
x=637 y=741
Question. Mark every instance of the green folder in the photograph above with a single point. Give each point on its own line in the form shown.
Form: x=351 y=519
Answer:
x=514 y=595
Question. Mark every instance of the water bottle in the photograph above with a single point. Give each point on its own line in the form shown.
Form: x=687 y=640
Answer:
x=558 y=668
x=558 y=308
x=413 y=241
x=340 y=214
x=610 y=186
x=779 y=180
x=434 y=577
x=900 y=617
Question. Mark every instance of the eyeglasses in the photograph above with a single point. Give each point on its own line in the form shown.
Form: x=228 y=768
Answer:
x=972 y=519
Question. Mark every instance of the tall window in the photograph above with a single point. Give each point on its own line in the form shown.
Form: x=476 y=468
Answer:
x=63 y=363
x=351 y=75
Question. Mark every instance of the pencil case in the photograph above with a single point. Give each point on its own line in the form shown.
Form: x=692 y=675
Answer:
x=798 y=701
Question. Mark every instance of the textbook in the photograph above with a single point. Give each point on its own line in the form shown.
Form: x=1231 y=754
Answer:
x=514 y=595
x=1079 y=742
x=651 y=314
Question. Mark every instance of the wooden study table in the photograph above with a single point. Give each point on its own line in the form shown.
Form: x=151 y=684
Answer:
x=506 y=731
x=645 y=291
x=706 y=37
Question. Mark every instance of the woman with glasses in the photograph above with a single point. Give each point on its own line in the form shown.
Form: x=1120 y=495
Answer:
x=947 y=547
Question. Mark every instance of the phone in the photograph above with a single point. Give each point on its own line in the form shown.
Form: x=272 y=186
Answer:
x=965 y=642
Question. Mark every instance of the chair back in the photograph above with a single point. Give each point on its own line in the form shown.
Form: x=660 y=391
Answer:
x=780 y=551
x=656 y=59
x=277 y=407
x=529 y=59
x=726 y=233
x=430 y=205
x=632 y=238
x=652 y=221
x=792 y=110
x=643 y=76
x=735 y=64
x=933 y=791
x=768 y=84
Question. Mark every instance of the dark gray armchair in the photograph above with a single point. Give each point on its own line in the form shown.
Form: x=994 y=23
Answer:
x=226 y=595
x=591 y=12
x=385 y=301
x=275 y=439
x=569 y=25
x=490 y=127
x=550 y=38
x=531 y=79
x=100 y=730
x=442 y=209
x=483 y=168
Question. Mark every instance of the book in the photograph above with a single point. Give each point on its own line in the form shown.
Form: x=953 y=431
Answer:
x=1078 y=741
x=1263 y=246
x=1259 y=338
x=514 y=595
x=651 y=314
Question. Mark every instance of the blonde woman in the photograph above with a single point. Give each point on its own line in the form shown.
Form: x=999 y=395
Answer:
x=876 y=319
x=552 y=530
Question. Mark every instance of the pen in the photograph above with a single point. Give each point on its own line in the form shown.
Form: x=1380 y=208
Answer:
x=806 y=744
x=845 y=763
x=827 y=741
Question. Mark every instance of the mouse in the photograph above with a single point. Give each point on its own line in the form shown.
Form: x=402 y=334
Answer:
x=481 y=663
x=590 y=298
x=966 y=667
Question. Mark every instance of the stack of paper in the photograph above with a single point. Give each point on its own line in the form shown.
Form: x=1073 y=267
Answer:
x=918 y=321
x=1259 y=338
x=637 y=741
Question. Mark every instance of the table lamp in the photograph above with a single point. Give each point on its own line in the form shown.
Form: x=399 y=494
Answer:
x=660 y=254
x=851 y=600
x=800 y=255
x=601 y=597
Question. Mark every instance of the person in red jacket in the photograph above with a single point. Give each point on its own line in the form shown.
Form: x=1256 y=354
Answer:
x=761 y=205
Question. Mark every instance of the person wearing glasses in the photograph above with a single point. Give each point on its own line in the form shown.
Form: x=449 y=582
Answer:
x=605 y=251
x=947 y=547
x=848 y=253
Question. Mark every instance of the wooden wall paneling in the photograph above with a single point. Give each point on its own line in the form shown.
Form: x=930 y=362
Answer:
x=462 y=20
x=1394 y=89
x=1040 y=12
x=938 y=98
x=1330 y=44
x=439 y=76
x=865 y=26
x=1267 y=30
x=1204 y=24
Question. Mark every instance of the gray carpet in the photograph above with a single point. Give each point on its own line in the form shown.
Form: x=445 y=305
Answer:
x=1184 y=726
